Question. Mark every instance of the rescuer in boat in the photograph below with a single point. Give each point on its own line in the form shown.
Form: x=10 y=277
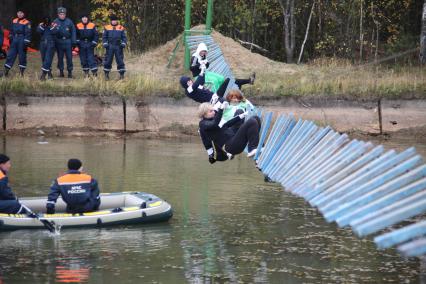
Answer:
x=78 y=190
x=8 y=202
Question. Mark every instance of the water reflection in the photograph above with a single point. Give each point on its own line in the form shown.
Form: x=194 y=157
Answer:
x=228 y=225
x=73 y=273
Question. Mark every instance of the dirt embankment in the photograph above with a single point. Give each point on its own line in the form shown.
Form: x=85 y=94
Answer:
x=166 y=117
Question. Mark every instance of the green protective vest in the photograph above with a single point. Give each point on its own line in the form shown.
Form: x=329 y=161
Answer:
x=213 y=81
x=229 y=112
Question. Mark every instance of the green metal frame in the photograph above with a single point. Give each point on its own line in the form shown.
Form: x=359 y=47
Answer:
x=188 y=32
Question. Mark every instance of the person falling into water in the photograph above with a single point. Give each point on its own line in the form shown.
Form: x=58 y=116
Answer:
x=197 y=91
x=199 y=61
x=220 y=138
x=238 y=104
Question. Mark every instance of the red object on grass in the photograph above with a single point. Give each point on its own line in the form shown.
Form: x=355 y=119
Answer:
x=6 y=42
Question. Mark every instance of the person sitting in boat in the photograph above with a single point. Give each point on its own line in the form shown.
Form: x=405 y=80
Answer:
x=222 y=137
x=238 y=104
x=78 y=190
x=199 y=61
x=9 y=204
x=197 y=91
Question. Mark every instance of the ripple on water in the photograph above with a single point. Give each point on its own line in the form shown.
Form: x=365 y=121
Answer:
x=228 y=225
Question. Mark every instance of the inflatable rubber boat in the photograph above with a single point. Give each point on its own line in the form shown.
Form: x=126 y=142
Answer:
x=116 y=209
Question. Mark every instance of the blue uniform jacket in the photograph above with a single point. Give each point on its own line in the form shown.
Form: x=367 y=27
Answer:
x=1 y=36
x=114 y=36
x=5 y=191
x=48 y=33
x=66 y=30
x=87 y=33
x=76 y=189
x=21 y=28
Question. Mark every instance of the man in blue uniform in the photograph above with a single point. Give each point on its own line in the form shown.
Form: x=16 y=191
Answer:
x=1 y=37
x=8 y=201
x=20 y=37
x=65 y=40
x=87 y=39
x=78 y=190
x=114 y=40
x=47 y=31
x=2 y=53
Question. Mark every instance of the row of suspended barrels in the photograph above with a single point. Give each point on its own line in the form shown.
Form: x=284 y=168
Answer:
x=353 y=183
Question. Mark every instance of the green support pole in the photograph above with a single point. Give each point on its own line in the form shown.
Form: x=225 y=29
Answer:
x=209 y=16
x=186 y=32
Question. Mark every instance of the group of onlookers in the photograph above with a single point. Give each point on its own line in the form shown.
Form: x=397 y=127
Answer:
x=62 y=36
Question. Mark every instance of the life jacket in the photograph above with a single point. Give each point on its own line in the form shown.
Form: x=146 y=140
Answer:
x=75 y=188
x=86 y=32
x=113 y=34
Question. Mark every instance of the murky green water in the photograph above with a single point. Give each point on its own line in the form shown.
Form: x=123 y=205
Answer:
x=228 y=225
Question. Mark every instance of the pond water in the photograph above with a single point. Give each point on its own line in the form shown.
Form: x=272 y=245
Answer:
x=228 y=225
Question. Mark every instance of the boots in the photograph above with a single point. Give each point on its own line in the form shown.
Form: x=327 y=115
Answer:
x=106 y=75
x=121 y=76
x=43 y=76
x=86 y=74
x=49 y=75
x=6 y=71
x=70 y=74
x=61 y=73
x=21 y=71
x=95 y=73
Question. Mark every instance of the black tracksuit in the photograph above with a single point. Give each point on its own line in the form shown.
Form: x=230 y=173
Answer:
x=195 y=69
x=227 y=139
x=195 y=66
x=200 y=94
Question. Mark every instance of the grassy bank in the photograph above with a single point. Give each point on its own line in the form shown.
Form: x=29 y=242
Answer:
x=136 y=85
x=148 y=76
x=332 y=78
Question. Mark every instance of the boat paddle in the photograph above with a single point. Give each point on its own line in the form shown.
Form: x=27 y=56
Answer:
x=50 y=225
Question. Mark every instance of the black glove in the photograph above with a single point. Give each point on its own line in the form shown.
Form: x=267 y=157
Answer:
x=212 y=160
x=50 y=210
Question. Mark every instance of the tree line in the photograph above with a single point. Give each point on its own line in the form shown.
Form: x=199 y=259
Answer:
x=359 y=30
x=285 y=30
